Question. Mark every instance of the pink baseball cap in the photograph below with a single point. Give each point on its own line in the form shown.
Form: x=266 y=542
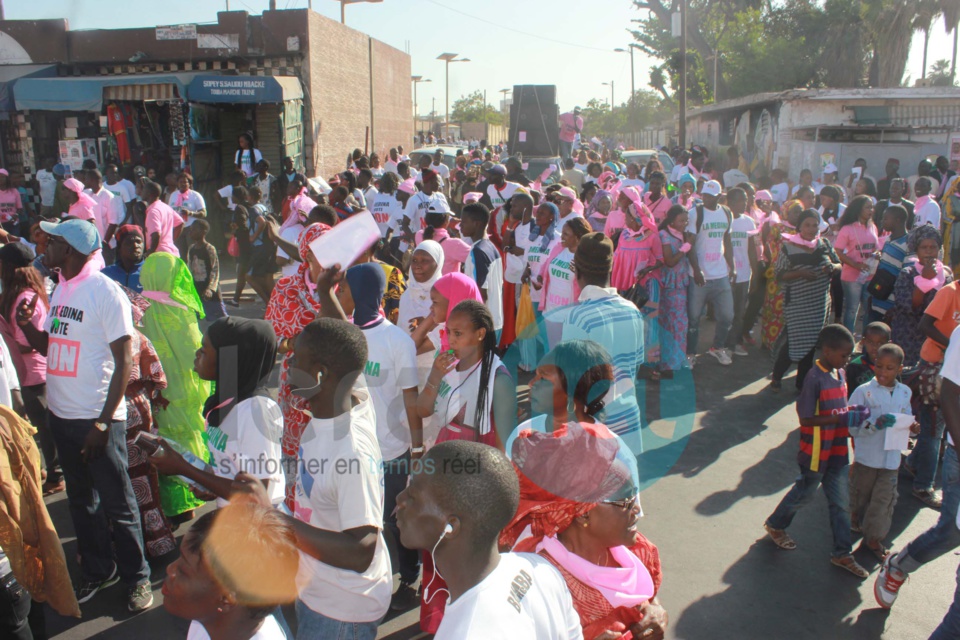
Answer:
x=763 y=194
x=471 y=197
x=4 y=172
x=408 y=186
x=567 y=192
x=74 y=185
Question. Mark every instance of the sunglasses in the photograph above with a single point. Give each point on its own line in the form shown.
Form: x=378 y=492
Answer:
x=623 y=505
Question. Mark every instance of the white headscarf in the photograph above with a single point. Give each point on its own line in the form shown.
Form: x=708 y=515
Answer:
x=415 y=301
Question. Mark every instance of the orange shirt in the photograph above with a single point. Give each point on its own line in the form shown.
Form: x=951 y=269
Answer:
x=945 y=307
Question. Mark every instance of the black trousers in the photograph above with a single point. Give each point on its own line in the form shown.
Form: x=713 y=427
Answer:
x=20 y=617
x=783 y=362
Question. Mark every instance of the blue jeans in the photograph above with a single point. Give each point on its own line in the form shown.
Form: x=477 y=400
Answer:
x=924 y=456
x=566 y=150
x=396 y=472
x=719 y=293
x=312 y=625
x=854 y=295
x=836 y=487
x=741 y=295
x=944 y=536
x=949 y=627
x=102 y=503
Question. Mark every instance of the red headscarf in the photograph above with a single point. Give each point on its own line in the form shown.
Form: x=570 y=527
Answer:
x=563 y=475
x=292 y=305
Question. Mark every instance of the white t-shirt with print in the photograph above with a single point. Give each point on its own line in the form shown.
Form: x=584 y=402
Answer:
x=247 y=159
x=391 y=368
x=340 y=487
x=929 y=213
x=83 y=320
x=48 y=187
x=709 y=243
x=109 y=210
x=740 y=230
x=560 y=293
x=442 y=169
x=535 y=254
x=292 y=235
x=190 y=201
x=269 y=630
x=385 y=208
x=524 y=598
x=513 y=269
x=417 y=207
x=123 y=188
x=227 y=194
x=248 y=440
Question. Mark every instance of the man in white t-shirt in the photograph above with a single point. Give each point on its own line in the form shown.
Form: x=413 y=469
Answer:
x=499 y=190
x=47 y=182
x=743 y=239
x=439 y=166
x=419 y=202
x=119 y=186
x=87 y=342
x=344 y=582
x=713 y=272
x=385 y=207
x=455 y=512
x=109 y=212
x=393 y=159
x=944 y=536
x=925 y=208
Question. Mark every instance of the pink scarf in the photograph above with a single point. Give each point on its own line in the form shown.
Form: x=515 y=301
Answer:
x=94 y=264
x=628 y=585
x=302 y=203
x=798 y=240
x=693 y=170
x=921 y=202
x=927 y=285
x=162 y=297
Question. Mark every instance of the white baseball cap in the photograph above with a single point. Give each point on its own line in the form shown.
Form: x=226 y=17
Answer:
x=711 y=188
x=830 y=168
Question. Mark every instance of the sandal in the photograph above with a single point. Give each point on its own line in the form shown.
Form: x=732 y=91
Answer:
x=50 y=488
x=848 y=563
x=879 y=552
x=780 y=538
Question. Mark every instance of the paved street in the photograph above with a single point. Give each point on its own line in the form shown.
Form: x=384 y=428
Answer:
x=721 y=578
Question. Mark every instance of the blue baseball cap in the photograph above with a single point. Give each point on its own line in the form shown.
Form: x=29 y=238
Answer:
x=61 y=169
x=79 y=234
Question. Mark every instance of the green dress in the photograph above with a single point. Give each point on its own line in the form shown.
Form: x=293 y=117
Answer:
x=172 y=327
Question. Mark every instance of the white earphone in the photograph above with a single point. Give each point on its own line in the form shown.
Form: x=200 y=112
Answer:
x=436 y=571
x=448 y=529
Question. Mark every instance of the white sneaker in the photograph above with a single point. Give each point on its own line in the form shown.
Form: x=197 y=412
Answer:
x=740 y=351
x=721 y=355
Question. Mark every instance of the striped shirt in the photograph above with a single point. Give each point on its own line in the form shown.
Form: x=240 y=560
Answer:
x=611 y=321
x=824 y=394
x=891 y=260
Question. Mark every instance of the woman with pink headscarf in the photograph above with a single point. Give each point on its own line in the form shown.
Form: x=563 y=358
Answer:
x=81 y=204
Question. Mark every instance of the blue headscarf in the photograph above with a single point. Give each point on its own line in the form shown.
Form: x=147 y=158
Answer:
x=545 y=235
x=367 y=285
x=687 y=178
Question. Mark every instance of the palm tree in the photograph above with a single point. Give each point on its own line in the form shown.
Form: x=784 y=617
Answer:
x=927 y=12
x=951 y=20
x=892 y=26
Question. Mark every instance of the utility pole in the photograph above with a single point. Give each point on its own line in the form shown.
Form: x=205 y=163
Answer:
x=683 y=74
x=953 y=65
x=448 y=58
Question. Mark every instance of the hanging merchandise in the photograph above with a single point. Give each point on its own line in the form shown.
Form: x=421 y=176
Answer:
x=117 y=123
x=177 y=124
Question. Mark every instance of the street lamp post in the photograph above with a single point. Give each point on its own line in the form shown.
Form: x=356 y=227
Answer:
x=610 y=84
x=448 y=58
x=416 y=111
x=343 y=7
x=633 y=85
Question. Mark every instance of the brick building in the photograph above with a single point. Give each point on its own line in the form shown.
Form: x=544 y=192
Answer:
x=303 y=84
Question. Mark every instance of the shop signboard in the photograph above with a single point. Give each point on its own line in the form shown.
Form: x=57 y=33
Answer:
x=235 y=89
x=177 y=32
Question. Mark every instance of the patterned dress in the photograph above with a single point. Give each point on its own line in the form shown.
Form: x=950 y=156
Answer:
x=771 y=318
x=673 y=307
x=806 y=307
x=396 y=285
x=905 y=318
x=143 y=391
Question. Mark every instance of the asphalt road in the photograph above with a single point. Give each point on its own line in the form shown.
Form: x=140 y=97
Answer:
x=722 y=578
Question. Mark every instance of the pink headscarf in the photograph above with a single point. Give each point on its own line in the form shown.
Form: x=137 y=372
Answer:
x=301 y=204
x=408 y=186
x=636 y=198
x=456 y=288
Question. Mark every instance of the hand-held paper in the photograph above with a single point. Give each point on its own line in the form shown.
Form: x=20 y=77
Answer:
x=347 y=241
x=895 y=438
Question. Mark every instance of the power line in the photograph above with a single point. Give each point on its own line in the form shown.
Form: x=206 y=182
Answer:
x=523 y=33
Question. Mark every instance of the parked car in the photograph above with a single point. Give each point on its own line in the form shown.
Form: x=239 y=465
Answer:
x=642 y=156
x=449 y=155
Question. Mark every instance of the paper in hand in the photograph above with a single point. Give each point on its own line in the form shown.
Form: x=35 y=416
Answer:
x=895 y=438
x=347 y=241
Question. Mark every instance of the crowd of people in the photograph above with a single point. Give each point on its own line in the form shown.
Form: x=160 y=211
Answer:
x=398 y=414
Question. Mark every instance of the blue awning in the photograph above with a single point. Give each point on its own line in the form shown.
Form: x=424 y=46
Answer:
x=12 y=72
x=244 y=89
x=87 y=93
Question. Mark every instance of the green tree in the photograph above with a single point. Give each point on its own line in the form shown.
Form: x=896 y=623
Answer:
x=939 y=75
x=472 y=108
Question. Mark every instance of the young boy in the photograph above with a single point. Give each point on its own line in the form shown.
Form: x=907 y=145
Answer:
x=861 y=368
x=743 y=237
x=824 y=422
x=205 y=267
x=894 y=222
x=873 y=481
x=344 y=580
x=483 y=264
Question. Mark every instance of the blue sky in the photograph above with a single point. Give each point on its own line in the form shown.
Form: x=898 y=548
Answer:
x=568 y=43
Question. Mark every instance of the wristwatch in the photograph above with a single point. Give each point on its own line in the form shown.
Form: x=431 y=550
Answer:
x=101 y=426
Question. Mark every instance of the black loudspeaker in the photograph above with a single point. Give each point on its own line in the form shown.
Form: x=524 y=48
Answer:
x=534 y=126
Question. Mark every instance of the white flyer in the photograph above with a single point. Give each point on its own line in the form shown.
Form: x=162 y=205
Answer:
x=345 y=242
x=895 y=438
